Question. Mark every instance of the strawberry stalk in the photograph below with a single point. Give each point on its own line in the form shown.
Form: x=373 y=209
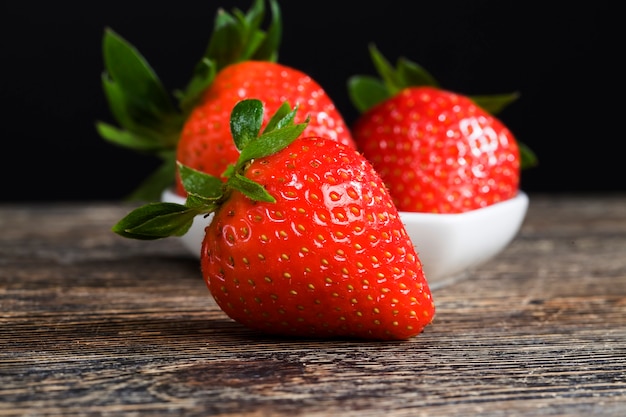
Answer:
x=149 y=119
x=367 y=91
x=206 y=193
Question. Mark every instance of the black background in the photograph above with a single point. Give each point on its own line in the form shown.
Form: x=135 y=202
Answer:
x=565 y=63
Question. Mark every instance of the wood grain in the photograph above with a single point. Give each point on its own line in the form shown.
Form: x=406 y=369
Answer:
x=92 y=324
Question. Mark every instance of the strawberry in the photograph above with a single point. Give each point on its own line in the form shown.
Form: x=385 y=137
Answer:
x=206 y=143
x=151 y=122
x=437 y=151
x=305 y=240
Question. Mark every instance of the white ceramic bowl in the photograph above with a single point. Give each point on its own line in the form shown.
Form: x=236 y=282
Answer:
x=447 y=244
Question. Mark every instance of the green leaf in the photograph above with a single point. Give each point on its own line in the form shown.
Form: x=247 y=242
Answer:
x=284 y=116
x=202 y=203
x=245 y=122
x=238 y=37
x=366 y=91
x=268 y=49
x=155 y=131
x=117 y=102
x=155 y=221
x=252 y=38
x=126 y=139
x=272 y=142
x=251 y=189
x=528 y=159
x=386 y=71
x=147 y=118
x=146 y=98
x=199 y=183
x=494 y=104
x=246 y=119
x=412 y=74
x=225 y=43
x=229 y=171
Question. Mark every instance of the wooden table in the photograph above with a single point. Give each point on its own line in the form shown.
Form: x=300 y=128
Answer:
x=94 y=324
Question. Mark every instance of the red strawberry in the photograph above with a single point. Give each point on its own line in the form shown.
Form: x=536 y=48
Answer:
x=206 y=144
x=305 y=240
x=150 y=122
x=437 y=151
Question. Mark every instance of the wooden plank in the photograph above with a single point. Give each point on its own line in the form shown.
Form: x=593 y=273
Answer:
x=93 y=324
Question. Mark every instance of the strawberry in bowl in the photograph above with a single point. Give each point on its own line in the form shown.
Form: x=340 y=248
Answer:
x=451 y=166
x=438 y=151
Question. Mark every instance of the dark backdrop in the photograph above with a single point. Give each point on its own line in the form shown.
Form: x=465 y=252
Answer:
x=563 y=62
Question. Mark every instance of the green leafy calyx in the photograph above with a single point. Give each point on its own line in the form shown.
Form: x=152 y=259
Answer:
x=206 y=193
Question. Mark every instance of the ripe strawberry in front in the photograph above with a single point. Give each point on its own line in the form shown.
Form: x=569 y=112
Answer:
x=305 y=240
x=329 y=257
x=438 y=151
